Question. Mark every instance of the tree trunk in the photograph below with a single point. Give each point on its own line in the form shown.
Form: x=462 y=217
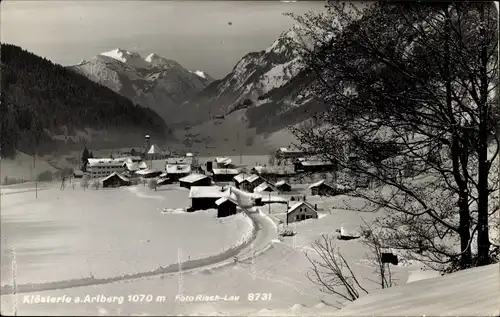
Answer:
x=457 y=156
x=483 y=240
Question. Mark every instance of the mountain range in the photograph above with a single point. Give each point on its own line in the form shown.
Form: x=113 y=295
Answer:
x=264 y=88
x=155 y=82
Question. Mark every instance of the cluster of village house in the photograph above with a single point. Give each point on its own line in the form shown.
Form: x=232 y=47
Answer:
x=210 y=184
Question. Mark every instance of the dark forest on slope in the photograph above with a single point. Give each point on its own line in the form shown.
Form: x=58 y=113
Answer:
x=39 y=98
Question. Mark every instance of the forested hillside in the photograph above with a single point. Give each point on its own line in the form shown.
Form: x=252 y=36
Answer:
x=44 y=106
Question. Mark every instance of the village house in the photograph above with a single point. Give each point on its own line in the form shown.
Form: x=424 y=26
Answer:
x=195 y=180
x=148 y=173
x=223 y=162
x=312 y=165
x=238 y=179
x=283 y=186
x=102 y=167
x=204 y=197
x=264 y=187
x=177 y=171
x=224 y=174
x=251 y=182
x=289 y=153
x=321 y=188
x=226 y=206
x=301 y=211
x=115 y=180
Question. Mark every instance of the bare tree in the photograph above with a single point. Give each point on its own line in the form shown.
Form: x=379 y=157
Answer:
x=410 y=107
x=84 y=183
x=376 y=247
x=332 y=272
x=96 y=184
x=153 y=183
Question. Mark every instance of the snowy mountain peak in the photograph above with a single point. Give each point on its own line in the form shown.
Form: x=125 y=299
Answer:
x=131 y=58
x=200 y=73
x=154 y=59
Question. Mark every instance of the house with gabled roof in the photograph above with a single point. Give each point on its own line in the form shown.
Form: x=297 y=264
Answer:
x=301 y=211
x=204 y=197
x=226 y=206
x=115 y=180
x=264 y=187
x=195 y=180
x=251 y=182
x=283 y=186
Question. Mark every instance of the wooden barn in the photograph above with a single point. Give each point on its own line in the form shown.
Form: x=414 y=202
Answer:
x=195 y=180
x=177 y=171
x=301 y=211
x=224 y=174
x=204 y=197
x=238 y=179
x=115 y=180
x=264 y=187
x=283 y=186
x=251 y=182
x=321 y=188
x=226 y=206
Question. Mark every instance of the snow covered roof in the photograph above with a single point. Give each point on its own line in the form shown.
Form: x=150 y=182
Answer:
x=298 y=204
x=104 y=162
x=143 y=165
x=189 y=155
x=240 y=177
x=163 y=175
x=154 y=149
x=178 y=168
x=115 y=174
x=131 y=166
x=223 y=160
x=316 y=163
x=224 y=199
x=471 y=292
x=146 y=171
x=230 y=171
x=193 y=178
x=252 y=178
x=207 y=192
x=321 y=182
x=263 y=187
x=283 y=169
x=280 y=183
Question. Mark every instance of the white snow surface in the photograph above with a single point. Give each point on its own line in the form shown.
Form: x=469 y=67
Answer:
x=71 y=234
x=472 y=292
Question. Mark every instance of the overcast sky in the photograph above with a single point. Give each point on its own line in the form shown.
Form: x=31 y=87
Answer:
x=194 y=33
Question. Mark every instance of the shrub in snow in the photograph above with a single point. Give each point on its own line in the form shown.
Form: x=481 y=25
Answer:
x=286 y=232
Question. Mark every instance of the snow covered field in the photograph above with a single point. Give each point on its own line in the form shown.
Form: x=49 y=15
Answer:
x=74 y=234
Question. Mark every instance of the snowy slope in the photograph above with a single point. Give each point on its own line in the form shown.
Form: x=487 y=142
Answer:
x=473 y=292
x=153 y=81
